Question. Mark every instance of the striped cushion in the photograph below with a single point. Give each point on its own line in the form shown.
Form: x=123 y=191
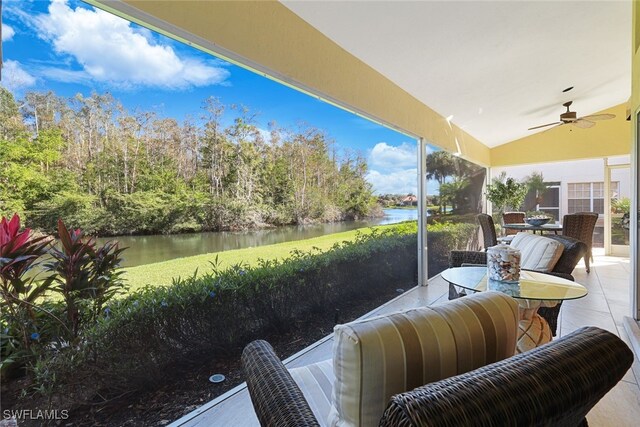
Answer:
x=379 y=357
x=539 y=253
x=316 y=382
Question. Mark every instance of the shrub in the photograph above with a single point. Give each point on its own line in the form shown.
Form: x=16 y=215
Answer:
x=142 y=212
x=77 y=210
x=34 y=332
x=442 y=238
x=218 y=313
x=157 y=330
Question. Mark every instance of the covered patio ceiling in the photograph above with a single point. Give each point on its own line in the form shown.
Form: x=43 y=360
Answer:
x=496 y=68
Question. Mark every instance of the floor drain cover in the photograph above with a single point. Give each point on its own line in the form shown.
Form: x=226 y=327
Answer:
x=217 y=378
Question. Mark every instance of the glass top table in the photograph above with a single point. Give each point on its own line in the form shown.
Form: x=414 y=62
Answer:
x=534 y=290
x=527 y=227
x=532 y=285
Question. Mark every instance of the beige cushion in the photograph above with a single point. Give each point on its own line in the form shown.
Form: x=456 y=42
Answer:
x=382 y=356
x=538 y=253
x=316 y=382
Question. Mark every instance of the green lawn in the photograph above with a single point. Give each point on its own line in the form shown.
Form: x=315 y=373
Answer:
x=161 y=273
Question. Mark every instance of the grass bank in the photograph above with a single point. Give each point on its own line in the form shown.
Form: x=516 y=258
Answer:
x=162 y=273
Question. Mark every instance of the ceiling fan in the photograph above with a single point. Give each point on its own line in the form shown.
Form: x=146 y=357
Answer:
x=570 y=118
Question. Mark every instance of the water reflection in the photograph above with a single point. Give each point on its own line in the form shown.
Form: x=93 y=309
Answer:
x=150 y=249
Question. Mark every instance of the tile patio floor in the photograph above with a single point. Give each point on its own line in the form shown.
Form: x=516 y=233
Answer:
x=604 y=307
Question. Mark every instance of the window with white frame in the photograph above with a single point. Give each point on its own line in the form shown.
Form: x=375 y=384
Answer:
x=588 y=196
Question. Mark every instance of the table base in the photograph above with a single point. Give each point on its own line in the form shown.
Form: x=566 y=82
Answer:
x=533 y=328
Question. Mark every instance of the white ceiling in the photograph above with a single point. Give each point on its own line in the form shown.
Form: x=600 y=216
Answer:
x=496 y=67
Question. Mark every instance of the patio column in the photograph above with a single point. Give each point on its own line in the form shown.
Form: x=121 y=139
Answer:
x=422 y=213
x=634 y=217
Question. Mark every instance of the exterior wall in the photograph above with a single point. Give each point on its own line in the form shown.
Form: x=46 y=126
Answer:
x=578 y=171
x=591 y=170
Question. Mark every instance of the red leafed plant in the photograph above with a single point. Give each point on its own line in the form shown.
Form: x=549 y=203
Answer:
x=19 y=253
x=19 y=250
x=85 y=275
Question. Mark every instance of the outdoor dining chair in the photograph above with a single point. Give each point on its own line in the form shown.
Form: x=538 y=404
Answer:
x=489 y=235
x=580 y=225
x=512 y=218
x=488 y=230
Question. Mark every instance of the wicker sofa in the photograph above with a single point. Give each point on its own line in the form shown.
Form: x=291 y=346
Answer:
x=573 y=251
x=446 y=365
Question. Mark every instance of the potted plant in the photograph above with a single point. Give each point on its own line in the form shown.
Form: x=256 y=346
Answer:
x=506 y=193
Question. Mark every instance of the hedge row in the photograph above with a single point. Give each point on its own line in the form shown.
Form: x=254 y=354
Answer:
x=442 y=238
x=216 y=314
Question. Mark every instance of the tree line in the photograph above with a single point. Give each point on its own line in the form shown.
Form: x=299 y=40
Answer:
x=97 y=166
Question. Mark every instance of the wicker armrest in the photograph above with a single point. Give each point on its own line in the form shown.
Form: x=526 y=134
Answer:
x=556 y=384
x=276 y=397
x=457 y=258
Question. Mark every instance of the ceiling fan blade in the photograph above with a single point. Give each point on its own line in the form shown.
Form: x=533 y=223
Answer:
x=599 y=117
x=544 y=126
x=583 y=124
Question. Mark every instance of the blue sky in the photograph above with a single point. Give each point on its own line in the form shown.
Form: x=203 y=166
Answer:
x=69 y=47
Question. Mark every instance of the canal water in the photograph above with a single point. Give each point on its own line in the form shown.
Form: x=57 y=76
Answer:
x=150 y=249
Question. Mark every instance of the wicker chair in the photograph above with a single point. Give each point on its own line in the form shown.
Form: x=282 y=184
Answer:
x=488 y=230
x=555 y=384
x=574 y=249
x=489 y=235
x=512 y=218
x=580 y=226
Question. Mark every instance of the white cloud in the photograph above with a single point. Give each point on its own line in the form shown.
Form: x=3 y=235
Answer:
x=393 y=170
x=64 y=75
x=15 y=78
x=397 y=182
x=7 y=32
x=112 y=51
x=389 y=157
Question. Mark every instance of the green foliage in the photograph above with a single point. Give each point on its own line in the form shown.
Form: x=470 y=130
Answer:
x=85 y=276
x=130 y=342
x=221 y=311
x=443 y=237
x=622 y=205
x=454 y=192
x=506 y=193
x=455 y=177
x=78 y=210
x=92 y=164
x=536 y=184
x=34 y=335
